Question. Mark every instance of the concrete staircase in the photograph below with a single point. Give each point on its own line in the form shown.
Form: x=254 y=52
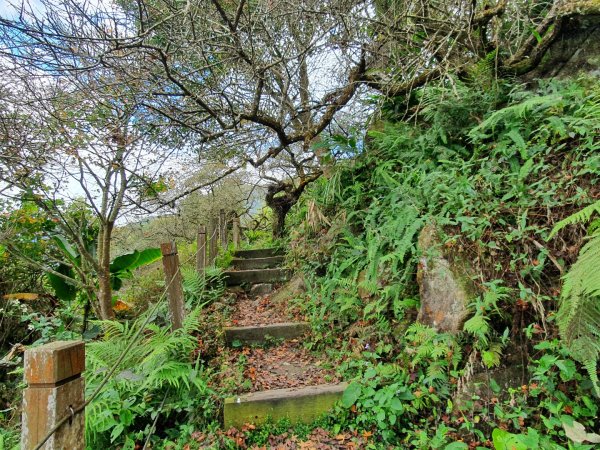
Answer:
x=262 y=268
x=256 y=267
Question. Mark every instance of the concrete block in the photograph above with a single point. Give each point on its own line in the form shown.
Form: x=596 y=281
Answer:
x=257 y=263
x=239 y=277
x=297 y=404
x=258 y=334
x=258 y=253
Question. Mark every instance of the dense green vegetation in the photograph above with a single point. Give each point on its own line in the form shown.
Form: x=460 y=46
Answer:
x=370 y=140
x=496 y=167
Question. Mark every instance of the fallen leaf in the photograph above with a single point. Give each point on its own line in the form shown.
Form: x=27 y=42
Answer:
x=576 y=432
x=121 y=306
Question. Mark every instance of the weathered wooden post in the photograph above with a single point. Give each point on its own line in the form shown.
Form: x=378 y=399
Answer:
x=213 y=229
x=201 y=252
x=236 y=232
x=223 y=229
x=173 y=283
x=55 y=389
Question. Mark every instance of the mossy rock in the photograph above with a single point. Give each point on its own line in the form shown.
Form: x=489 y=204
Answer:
x=445 y=285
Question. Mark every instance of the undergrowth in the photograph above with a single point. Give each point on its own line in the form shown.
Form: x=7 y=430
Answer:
x=492 y=169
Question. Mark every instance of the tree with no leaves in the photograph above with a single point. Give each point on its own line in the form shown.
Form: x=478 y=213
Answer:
x=254 y=81
x=67 y=142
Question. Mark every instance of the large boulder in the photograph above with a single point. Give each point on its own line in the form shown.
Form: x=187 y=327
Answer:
x=575 y=51
x=445 y=286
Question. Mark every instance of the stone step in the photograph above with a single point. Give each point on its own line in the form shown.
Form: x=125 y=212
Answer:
x=241 y=277
x=258 y=253
x=297 y=404
x=257 y=263
x=259 y=334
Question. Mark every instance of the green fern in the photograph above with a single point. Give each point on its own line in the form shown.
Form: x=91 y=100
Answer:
x=514 y=113
x=582 y=216
x=478 y=326
x=202 y=288
x=578 y=317
x=158 y=366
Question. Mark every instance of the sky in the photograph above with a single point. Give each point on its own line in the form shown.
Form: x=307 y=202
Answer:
x=8 y=11
x=320 y=74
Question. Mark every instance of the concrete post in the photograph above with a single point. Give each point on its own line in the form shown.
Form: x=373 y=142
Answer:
x=237 y=237
x=223 y=229
x=213 y=230
x=174 y=283
x=55 y=389
x=201 y=251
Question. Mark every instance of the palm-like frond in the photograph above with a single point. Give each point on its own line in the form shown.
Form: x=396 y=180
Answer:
x=582 y=216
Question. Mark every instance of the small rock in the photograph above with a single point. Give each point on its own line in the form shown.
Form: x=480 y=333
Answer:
x=261 y=289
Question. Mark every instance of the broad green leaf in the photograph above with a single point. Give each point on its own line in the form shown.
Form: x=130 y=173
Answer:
x=405 y=395
x=567 y=369
x=503 y=440
x=396 y=404
x=123 y=262
x=63 y=289
x=66 y=248
x=132 y=261
x=456 y=446
x=351 y=394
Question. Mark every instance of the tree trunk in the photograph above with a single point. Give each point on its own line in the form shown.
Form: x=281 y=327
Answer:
x=280 y=206
x=104 y=286
x=279 y=214
x=281 y=197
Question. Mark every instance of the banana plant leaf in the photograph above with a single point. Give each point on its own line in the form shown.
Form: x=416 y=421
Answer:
x=132 y=261
x=62 y=288
x=121 y=268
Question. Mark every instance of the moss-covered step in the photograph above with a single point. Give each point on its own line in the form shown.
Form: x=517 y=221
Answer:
x=299 y=405
x=241 y=277
x=258 y=253
x=257 y=263
x=260 y=334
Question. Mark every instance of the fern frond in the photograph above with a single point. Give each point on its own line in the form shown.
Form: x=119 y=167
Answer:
x=491 y=356
x=515 y=112
x=193 y=282
x=583 y=216
x=479 y=327
x=578 y=317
